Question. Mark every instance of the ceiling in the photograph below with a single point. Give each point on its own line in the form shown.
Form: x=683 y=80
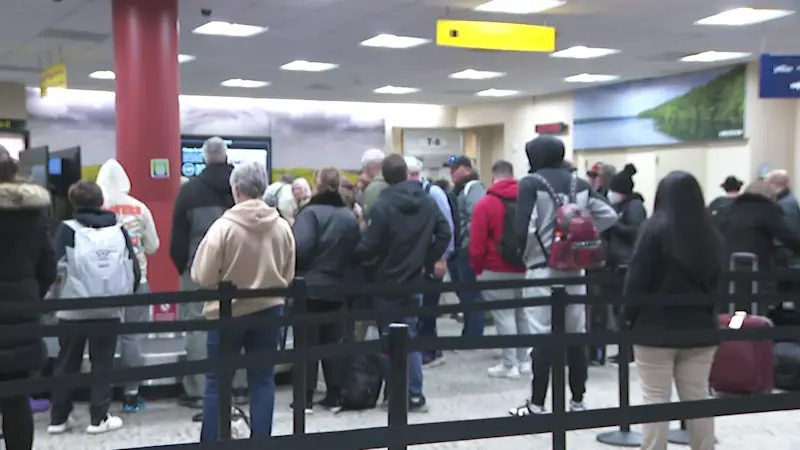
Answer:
x=651 y=34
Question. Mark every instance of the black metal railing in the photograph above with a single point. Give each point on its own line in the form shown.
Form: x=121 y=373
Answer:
x=399 y=434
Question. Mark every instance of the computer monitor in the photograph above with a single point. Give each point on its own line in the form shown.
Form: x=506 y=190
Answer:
x=33 y=164
x=240 y=149
x=63 y=170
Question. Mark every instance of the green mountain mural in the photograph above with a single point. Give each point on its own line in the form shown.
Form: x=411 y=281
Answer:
x=712 y=111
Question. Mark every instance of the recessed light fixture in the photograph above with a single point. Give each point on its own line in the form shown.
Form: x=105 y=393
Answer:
x=496 y=93
x=396 y=90
x=519 y=6
x=581 y=52
x=109 y=74
x=472 y=74
x=219 y=28
x=308 y=66
x=102 y=75
x=395 y=42
x=712 y=56
x=240 y=83
x=744 y=16
x=590 y=78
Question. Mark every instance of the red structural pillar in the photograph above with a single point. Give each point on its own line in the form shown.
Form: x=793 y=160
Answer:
x=148 y=117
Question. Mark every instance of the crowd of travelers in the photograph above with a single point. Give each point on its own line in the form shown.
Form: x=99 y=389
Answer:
x=392 y=225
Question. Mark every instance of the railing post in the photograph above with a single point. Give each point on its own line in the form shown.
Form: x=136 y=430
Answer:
x=299 y=364
x=397 y=383
x=623 y=437
x=558 y=319
x=225 y=372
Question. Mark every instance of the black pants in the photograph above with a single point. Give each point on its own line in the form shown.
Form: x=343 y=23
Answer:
x=542 y=358
x=325 y=334
x=17 y=417
x=70 y=358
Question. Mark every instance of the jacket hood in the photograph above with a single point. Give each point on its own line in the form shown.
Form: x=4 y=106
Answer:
x=506 y=189
x=95 y=217
x=253 y=215
x=218 y=177
x=545 y=152
x=331 y=198
x=406 y=196
x=113 y=179
x=21 y=195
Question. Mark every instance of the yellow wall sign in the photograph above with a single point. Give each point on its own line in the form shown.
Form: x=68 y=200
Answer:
x=54 y=76
x=503 y=36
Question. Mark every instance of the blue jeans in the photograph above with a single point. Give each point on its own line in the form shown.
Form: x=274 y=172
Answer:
x=427 y=324
x=460 y=271
x=414 y=358
x=261 y=379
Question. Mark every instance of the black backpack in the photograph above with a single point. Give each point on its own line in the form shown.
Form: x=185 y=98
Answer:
x=507 y=246
x=363 y=380
x=453 y=202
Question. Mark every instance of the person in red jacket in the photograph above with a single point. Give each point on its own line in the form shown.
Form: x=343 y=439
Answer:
x=488 y=224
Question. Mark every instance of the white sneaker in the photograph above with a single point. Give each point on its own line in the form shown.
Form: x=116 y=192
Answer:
x=577 y=406
x=501 y=371
x=110 y=423
x=527 y=409
x=61 y=428
x=526 y=368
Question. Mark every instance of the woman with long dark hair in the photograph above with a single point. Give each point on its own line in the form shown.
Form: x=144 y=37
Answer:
x=27 y=270
x=679 y=251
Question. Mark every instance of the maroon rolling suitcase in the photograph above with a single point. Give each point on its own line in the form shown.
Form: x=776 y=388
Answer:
x=743 y=367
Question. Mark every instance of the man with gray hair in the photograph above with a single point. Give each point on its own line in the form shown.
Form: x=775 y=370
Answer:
x=252 y=247
x=371 y=163
x=201 y=201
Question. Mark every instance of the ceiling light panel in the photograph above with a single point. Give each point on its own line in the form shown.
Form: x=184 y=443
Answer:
x=219 y=28
x=472 y=74
x=396 y=90
x=581 y=52
x=496 y=93
x=519 y=6
x=713 y=56
x=308 y=66
x=590 y=78
x=186 y=58
x=240 y=83
x=394 y=42
x=744 y=16
x=102 y=75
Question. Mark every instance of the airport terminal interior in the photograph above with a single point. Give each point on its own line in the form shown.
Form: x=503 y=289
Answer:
x=709 y=87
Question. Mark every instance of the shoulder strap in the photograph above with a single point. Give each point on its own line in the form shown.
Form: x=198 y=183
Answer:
x=428 y=187
x=74 y=224
x=505 y=201
x=469 y=186
x=573 y=190
x=550 y=190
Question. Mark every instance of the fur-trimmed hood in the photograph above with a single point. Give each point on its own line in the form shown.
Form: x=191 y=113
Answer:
x=23 y=195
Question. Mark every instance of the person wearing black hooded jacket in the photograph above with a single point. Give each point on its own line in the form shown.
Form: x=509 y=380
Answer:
x=27 y=270
x=200 y=202
x=534 y=228
x=406 y=237
x=621 y=238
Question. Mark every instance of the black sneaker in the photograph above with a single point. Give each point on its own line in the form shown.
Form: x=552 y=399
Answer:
x=331 y=402
x=309 y=409
x=417 y=405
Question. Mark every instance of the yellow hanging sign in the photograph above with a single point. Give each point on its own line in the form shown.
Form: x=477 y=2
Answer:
x=502 y=36
x=54 y=76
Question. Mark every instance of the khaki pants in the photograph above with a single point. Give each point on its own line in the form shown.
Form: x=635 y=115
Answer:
x=690 y=369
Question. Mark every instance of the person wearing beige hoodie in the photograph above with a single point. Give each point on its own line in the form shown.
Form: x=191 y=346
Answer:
x=254 y=248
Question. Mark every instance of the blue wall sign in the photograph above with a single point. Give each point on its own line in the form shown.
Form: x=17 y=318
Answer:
x=779 y=76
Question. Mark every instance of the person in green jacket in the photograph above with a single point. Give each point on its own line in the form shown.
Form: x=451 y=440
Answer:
x=371 y=163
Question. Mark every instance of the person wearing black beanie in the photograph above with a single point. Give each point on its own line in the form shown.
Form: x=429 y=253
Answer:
x=623 y=235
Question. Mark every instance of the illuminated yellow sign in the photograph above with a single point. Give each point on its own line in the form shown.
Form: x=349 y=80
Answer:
x=54 y=76
x=503 y=36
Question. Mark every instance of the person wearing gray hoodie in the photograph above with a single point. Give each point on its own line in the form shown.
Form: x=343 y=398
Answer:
x=535 y=230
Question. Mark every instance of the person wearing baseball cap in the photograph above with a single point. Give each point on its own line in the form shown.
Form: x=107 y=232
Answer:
x=467 y=190
x=600 y=175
